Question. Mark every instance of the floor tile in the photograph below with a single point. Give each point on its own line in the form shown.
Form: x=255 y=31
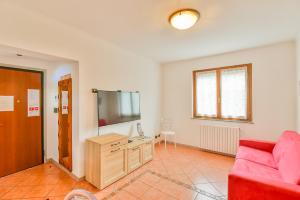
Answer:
x=171 y=175
x=31 y=180
x=49 y=179
x=122 y=195
x=150 y=179
x=12 y=180
x=105 y=192
x=170 y=188
x=197 y=178
x=137 y=188
x=221 y=187
x=17 y=192
x=203 y=197
x=155 y=194
x=4 y=190
x=55 y=198
x=86 y=186
x=186 y=194
x=39 y=191
x=208 y=187
x=60 y=190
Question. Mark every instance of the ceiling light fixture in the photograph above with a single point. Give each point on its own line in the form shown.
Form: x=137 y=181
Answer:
x=184 y=18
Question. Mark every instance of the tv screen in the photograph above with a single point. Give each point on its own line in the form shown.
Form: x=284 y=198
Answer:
x=117 y=107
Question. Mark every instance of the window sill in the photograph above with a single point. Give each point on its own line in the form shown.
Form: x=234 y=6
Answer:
x=223 y=120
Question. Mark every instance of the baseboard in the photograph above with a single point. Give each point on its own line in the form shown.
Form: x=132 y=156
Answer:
x=198 y=148
x=51 y=160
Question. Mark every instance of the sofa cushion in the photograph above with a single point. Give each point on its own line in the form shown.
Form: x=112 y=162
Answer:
x=283 y=142
x=289 y=164
x=253 y=169
x=257 y=156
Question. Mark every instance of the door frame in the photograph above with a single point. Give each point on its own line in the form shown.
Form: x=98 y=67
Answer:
x=42 y=99
x=70 y=130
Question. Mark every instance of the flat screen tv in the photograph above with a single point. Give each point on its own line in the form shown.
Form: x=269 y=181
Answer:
x=117 y=107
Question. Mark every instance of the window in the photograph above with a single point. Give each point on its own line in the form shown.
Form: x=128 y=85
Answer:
x=223 y=93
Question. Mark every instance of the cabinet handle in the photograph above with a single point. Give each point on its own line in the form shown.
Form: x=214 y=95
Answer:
x=115 y=144
x=136 y=148
x=112 y=151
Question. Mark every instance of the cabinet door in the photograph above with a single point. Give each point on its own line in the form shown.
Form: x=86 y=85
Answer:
x=114 y=165
x=135 y=159
x=147 y=152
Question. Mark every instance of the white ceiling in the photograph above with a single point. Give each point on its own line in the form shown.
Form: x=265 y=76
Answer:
x=142 y=26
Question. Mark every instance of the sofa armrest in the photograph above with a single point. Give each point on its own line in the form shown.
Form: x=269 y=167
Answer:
x=258 y=144
x=246 y=187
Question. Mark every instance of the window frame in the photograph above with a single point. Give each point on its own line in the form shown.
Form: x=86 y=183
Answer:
x=218 y=90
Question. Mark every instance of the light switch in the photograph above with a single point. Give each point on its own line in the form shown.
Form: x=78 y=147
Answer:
x=55 y=110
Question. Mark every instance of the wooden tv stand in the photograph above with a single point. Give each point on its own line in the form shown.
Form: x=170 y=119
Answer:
x=110 y=157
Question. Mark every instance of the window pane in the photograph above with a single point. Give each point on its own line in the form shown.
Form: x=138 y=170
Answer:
x=206 y=93
x=234 y=93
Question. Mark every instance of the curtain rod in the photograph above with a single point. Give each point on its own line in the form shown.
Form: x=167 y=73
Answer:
x=94 y=90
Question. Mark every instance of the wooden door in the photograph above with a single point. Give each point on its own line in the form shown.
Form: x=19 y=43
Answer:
x=65 y=123
x=21 y=126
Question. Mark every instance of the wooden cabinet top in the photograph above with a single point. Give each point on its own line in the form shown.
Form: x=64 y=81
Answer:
x=108 y=138
x=137 y=141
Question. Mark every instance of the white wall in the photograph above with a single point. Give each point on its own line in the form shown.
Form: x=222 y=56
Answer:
x=101 y=65
x=298 y=80
x=274 y=92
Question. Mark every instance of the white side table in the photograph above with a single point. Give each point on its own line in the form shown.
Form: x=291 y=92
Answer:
x=166 y=133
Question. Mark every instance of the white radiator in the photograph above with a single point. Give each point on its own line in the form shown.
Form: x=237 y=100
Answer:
x=219 y=139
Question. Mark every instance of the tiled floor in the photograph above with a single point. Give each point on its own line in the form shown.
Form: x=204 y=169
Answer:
x=182 y=173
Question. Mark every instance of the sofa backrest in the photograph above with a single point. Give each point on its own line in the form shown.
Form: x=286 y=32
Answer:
x=286 y=154
x=283 y=142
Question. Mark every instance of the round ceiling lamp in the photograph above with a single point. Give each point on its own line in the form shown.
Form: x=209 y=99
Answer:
x=184 y=18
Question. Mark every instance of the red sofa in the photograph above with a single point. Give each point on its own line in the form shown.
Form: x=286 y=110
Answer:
x=266 y=170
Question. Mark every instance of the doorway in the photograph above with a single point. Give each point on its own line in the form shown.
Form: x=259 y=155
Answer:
x=21 y=119
x=65 y=122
